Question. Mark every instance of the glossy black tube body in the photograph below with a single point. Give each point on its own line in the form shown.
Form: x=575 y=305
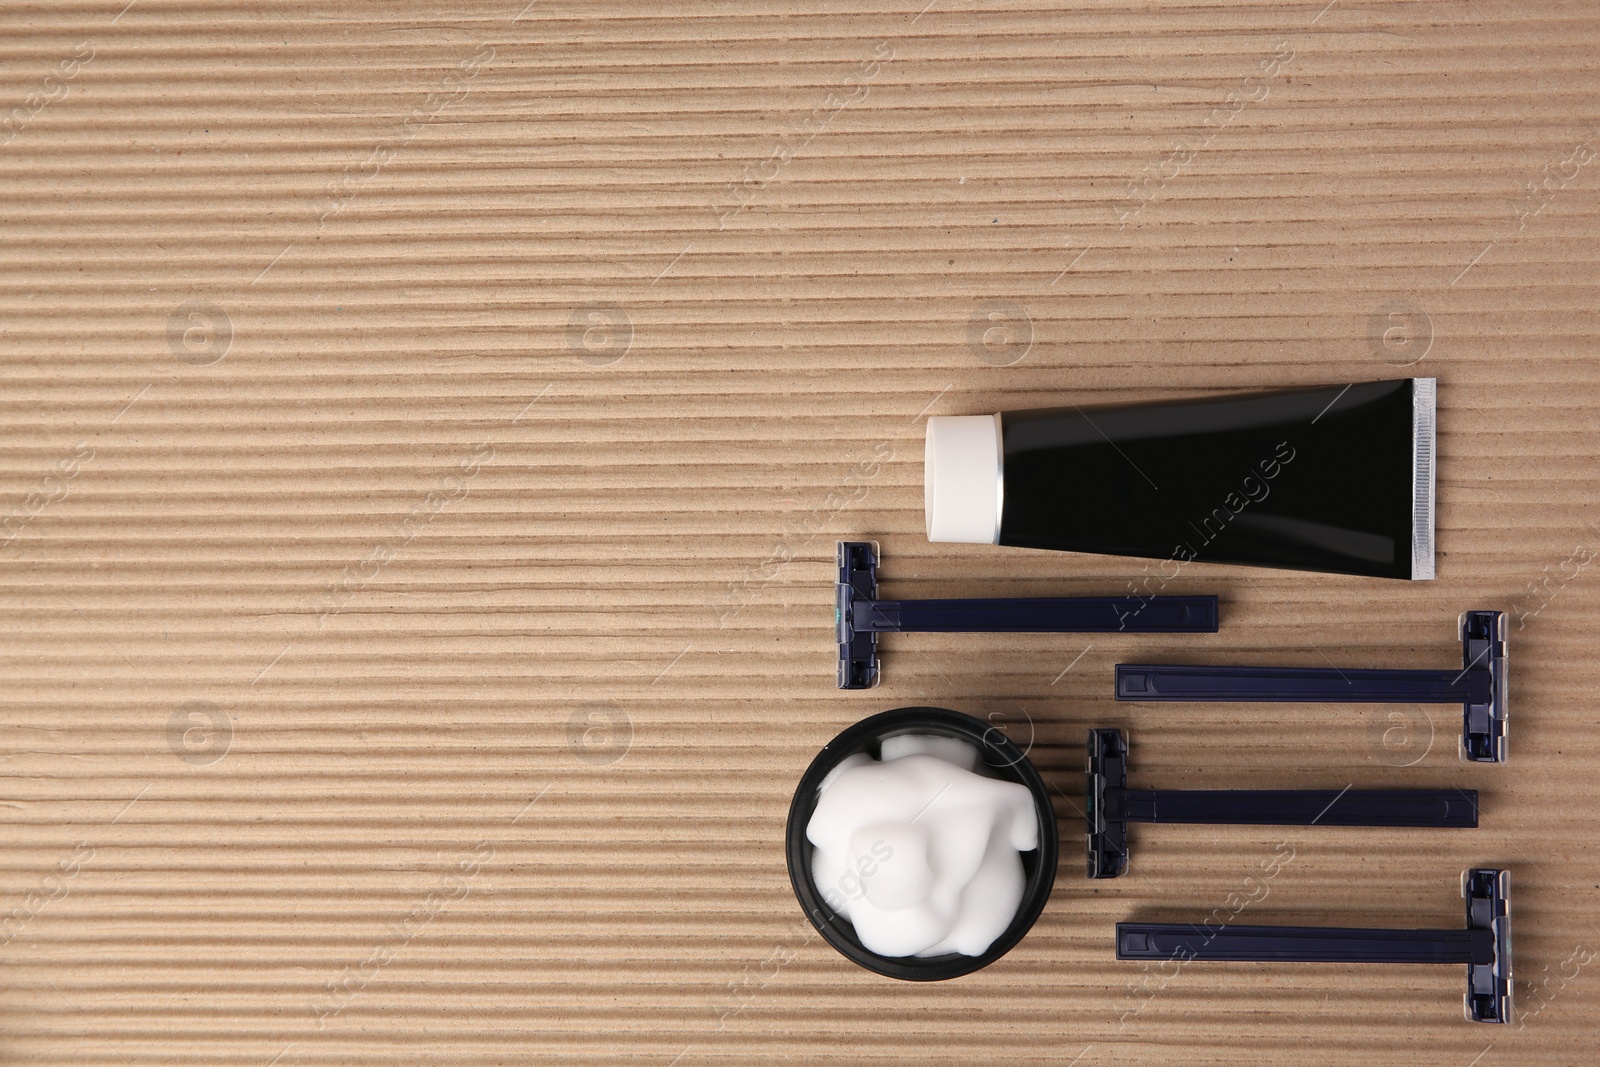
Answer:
x=1319 y=479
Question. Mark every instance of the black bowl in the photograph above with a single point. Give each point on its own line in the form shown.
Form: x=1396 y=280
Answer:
x=1001 y=759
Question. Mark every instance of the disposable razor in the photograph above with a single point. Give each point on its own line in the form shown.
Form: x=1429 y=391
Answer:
x=1484 y=945
x=861 y=616
x=1112 y=806
x=1480 y=686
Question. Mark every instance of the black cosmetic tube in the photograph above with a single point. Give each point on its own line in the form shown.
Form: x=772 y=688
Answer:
x=1337 y=479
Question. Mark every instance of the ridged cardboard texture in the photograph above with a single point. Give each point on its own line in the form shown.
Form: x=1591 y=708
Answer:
x=425 y=429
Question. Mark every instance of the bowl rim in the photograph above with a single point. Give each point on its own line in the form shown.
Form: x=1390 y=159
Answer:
x=1009 y=762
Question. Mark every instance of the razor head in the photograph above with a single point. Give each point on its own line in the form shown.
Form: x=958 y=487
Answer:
x=858 y=580
x=1107 y=830
x=1483 y=648
x=1488 y=894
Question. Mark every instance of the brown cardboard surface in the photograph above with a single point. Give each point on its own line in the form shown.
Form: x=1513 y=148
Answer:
x=425 y=429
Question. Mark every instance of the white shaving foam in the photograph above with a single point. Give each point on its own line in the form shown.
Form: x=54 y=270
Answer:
x=918 y=851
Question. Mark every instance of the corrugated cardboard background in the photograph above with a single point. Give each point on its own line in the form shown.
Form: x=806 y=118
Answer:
x=426 y=428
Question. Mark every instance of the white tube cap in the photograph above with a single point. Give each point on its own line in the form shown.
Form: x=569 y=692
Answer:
x=962 y=481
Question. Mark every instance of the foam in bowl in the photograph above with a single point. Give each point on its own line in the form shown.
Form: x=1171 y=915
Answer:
x=920 y=852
